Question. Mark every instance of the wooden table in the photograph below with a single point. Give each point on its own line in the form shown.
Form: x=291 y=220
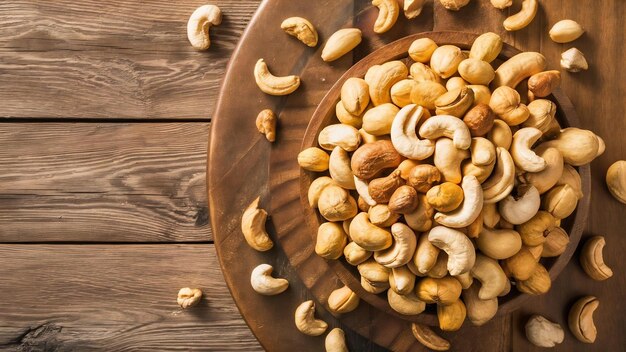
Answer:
x=103 y=212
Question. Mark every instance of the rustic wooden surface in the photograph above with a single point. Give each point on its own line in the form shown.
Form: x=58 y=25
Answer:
x=87 y=183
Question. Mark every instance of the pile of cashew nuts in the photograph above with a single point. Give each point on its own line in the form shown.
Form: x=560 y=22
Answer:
x=445 y=180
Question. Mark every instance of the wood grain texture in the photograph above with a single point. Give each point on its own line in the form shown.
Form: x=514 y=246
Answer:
x=103 y=182
x=112 y=59
x=115 y=298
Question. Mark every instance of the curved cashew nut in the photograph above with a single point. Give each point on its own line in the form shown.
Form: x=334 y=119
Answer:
x=427 y=337
x=518 y=210
x=413 y=8
x=402 y=249
x=490 y=275
x=448 y=160
x=403 y=135
x=518 y=68
x=362 y=188
x=339 y=168
x=580 y=319
x=199 y=24
x=405 y=304
x=335 y=341
x=316 y=188
x=460 y=250
x=501 y=182
x=402 y=280
x=447 y=126
x=302 y=29
x=387 y=15
x=479 y=311
x=483 y=152
x=524 y=157
x=367 y=235
x=274 y=85
x=188 y=297
x=469 y=210
x=262 y=281
x=381 y=80
x=306 y=322
x=548 y=177
x=523 y=18
x=253 y=227
x=592 y=261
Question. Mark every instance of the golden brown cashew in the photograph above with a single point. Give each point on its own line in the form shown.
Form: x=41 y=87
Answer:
x=344 y=136
x=387 y=15
x=355 y=254
x=362 y=188
x=578 y=146
x=556 y=242
x=544 y=83
x=566 y=31
x=560 y=201
x=367 y=235
x=452 y=316
x=401 y=93
x=374 y=277
x=523 y=156
x=506 y=103
x=302 y=29
x=443 y=291
x=483 y=152
x=355 y=95
x=592 y=261
x=336 y=204
x=522 y=18
x=580 y=319
x=479 y=311
x=316 y=188
x=306 y=322
x=266 y=124
x=499 y=244
x=422 y=49
x=339 y=168
x=500 y=134
x=402 y=249
x=383 y=78
x=253 y=227
x=476 y=71
x=548 y=177
x=427 y=337
x=403 y=134
x=378 y=120
x=460 y=250
x=537 y=284
x=455 y=102
x=486 y=47
x=518 y=68
x=343 y=300
x=469 y=210
x=313 y=159
x=262 y=281
x=542 y=116
x=331 y=240
x=274 y=85
x=407 y=304
x=341 y=43
x=199 y=24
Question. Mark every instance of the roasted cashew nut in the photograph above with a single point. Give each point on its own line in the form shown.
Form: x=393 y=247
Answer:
x=403 y=135
x=253 y=227
x=580 y=319
x=341 y=43
x=592 y=260
x=518 y=68
x=383 y=78
x=499 y=244
x=387 y=15
x=524 y=157
x=578 y=146
x=479 y=311
x=343 y=300
x=482 y=151
x=548 y=177
x=402 y=249
x=518 y=210
x=490 y=275
x=262 y=281
x=367 y=235
x=199 y=24
x=460 y=250
x=274 y=85
x=522 y=18
x=362 y=189
x=339 y=135
x=413 y=8
x=501 y=182
x=402 y=280
x=469 y=210
x=407 y=304
x=447 y=126
x=448 y=160
x=335 y=341
x=306 y=322
x=339 y=168
x=427 y=337
x=302 y=29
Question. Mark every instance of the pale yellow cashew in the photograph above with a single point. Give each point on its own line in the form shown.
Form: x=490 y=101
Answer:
x=387 y=15
x=262 y=281
x=524 y=157
x=460 y=250
x=199 y=24
x=306 y=322
x=522 y=18
x=469 y=210
x=447 y=126
x=402 y=249
x=501 y=182
x=274 y=85
x=403 y=134
x=518 y=68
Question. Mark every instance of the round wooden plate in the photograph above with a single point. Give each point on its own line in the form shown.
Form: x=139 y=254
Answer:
x=325 y=115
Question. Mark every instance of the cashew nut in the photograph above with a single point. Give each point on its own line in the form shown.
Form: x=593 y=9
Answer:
x=543 y=333
x=445 y=60
x=501 y=182
x=455 y=102
x=560 y=201
x=521 y=265
x=465 y=279
x=490 y=275
x=578 y=146
x=440 y=269
x=483 y=152
x=506 y=103
x=188 y=297
x=313 y=159
x=534 y=230
x=341 y=43
x=445 y=197
x=306 y=322
x=580 y=319
x=343 y=300
x=355 y=254
x=262 y=281
x=423 y=177
x=470 y=208
x=407 y=304
x=383 y=78
x=199 y=24
x=448 y=160
x=460 y=250
x=476 y=71
x=387 y=15
x=402 y=249
x=253 y=227
x=427 y=337
x=486 y=47
x=592 y=260
x=423 y=73
x=355 y=95
x=501 y=4
x=615 y=180
x=336 y=204
x=339 y=168
x=402 y=280
x=538 y=283
x=548 y=177
x=556 y=243
x=544 y=83
x=522 y=18
x=374 y=277
x=455 y=83
x=378 y=120
x=524 y=157
x=401 y=93
x=573 y=60
x=403 y=135
x=454 y=5
x=422 y=49
x=479 y=120
x=451 y=316
x=421 y=219
x=331 y=240
x=518 y=68
x=302 y=29
x=403 y=200
x=413 y=8
x=344 y=136
x=444 y=291
x=371 y=158
x=362 y=188
x=316 y=188
x=491 y=216
x=274 y=85
x=517 y=210
x=500 y=134
x=347 y=118
x=266 y=124
x=499 y=244
x=542 y=112
x=447 y=126
x=367 y=235
x=479 y=311
x=425 y=255
x=566 y=31
x=335 y=341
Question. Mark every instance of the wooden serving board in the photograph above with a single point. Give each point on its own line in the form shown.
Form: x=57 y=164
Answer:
x=243 y=165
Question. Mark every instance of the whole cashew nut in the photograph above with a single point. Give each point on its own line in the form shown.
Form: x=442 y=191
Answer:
x=199 y=24
x=580 y=319
x=188 y=297
x=486 y=47
x=548 y=177
x=592 y=261
x=413 y=8
x=499 y=244
x=518 y=210
x=316 y=188
x=367 y=235
x=343 y=300
x=501 y=182
x=339 y=168
x=362 y=189
x=483 y=152
x=339 y=135
x=402 y=280
x=262 y=281
x=355 y=254
x=522 y=18
x=403 y=135
x=469 y=210
x=335 y=341
x=371 y=158
x=407 y=304
x=383 y=78
x=387 y=15
x=490 y=275
x=427 y=337
x=402 y=249
x=479 y=311
x=518 y=68
x=460 y=250
x=306 y=322
x=447 y=126
x=341 y=43
x=274 y=85
x=578 y=146
x=524 y=157
x=355 y=95
x=253 y=227
x=448 y=160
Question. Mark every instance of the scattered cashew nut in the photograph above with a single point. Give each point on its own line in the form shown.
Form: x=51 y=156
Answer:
x=266 y=124
x=523 y=18
x=543 y=333
x=188 y=297
x=302 y=29
x=262 y=281
x=427 y=337
x=253 y=227
x=387 y=15
x=199 y=24
x=274 y=85
x=580 y=319
x=335 y=341
x=592 y=260
x=341 y=43
x=306 y=322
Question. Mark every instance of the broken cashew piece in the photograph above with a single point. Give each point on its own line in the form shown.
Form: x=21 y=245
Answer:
x=543 y=333
x=483 y=152
x=306 y=322
x=501 y=182
x=448 y=160
x=413 y=8
x=518 y=210
x=427 y=337
x=518 y=68
x=469 y=210
x=447 y=126
x=403 y=135
x=199 y=24
x=302 y=29
x=460 y=250
x=580 y=319
x=522 y=18
x=387 y=15
x=573 y=60
x=335 y=341
x=188 y=297
x=402 y=249
x=592 y=260
x=262 y=281
x=524 y=157
x=253 y=227
x=274 y=85
x=266 y=124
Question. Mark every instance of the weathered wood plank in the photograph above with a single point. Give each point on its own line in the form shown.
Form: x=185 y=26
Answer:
x=110 y=297
x=112 y=59
x=103 y=182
